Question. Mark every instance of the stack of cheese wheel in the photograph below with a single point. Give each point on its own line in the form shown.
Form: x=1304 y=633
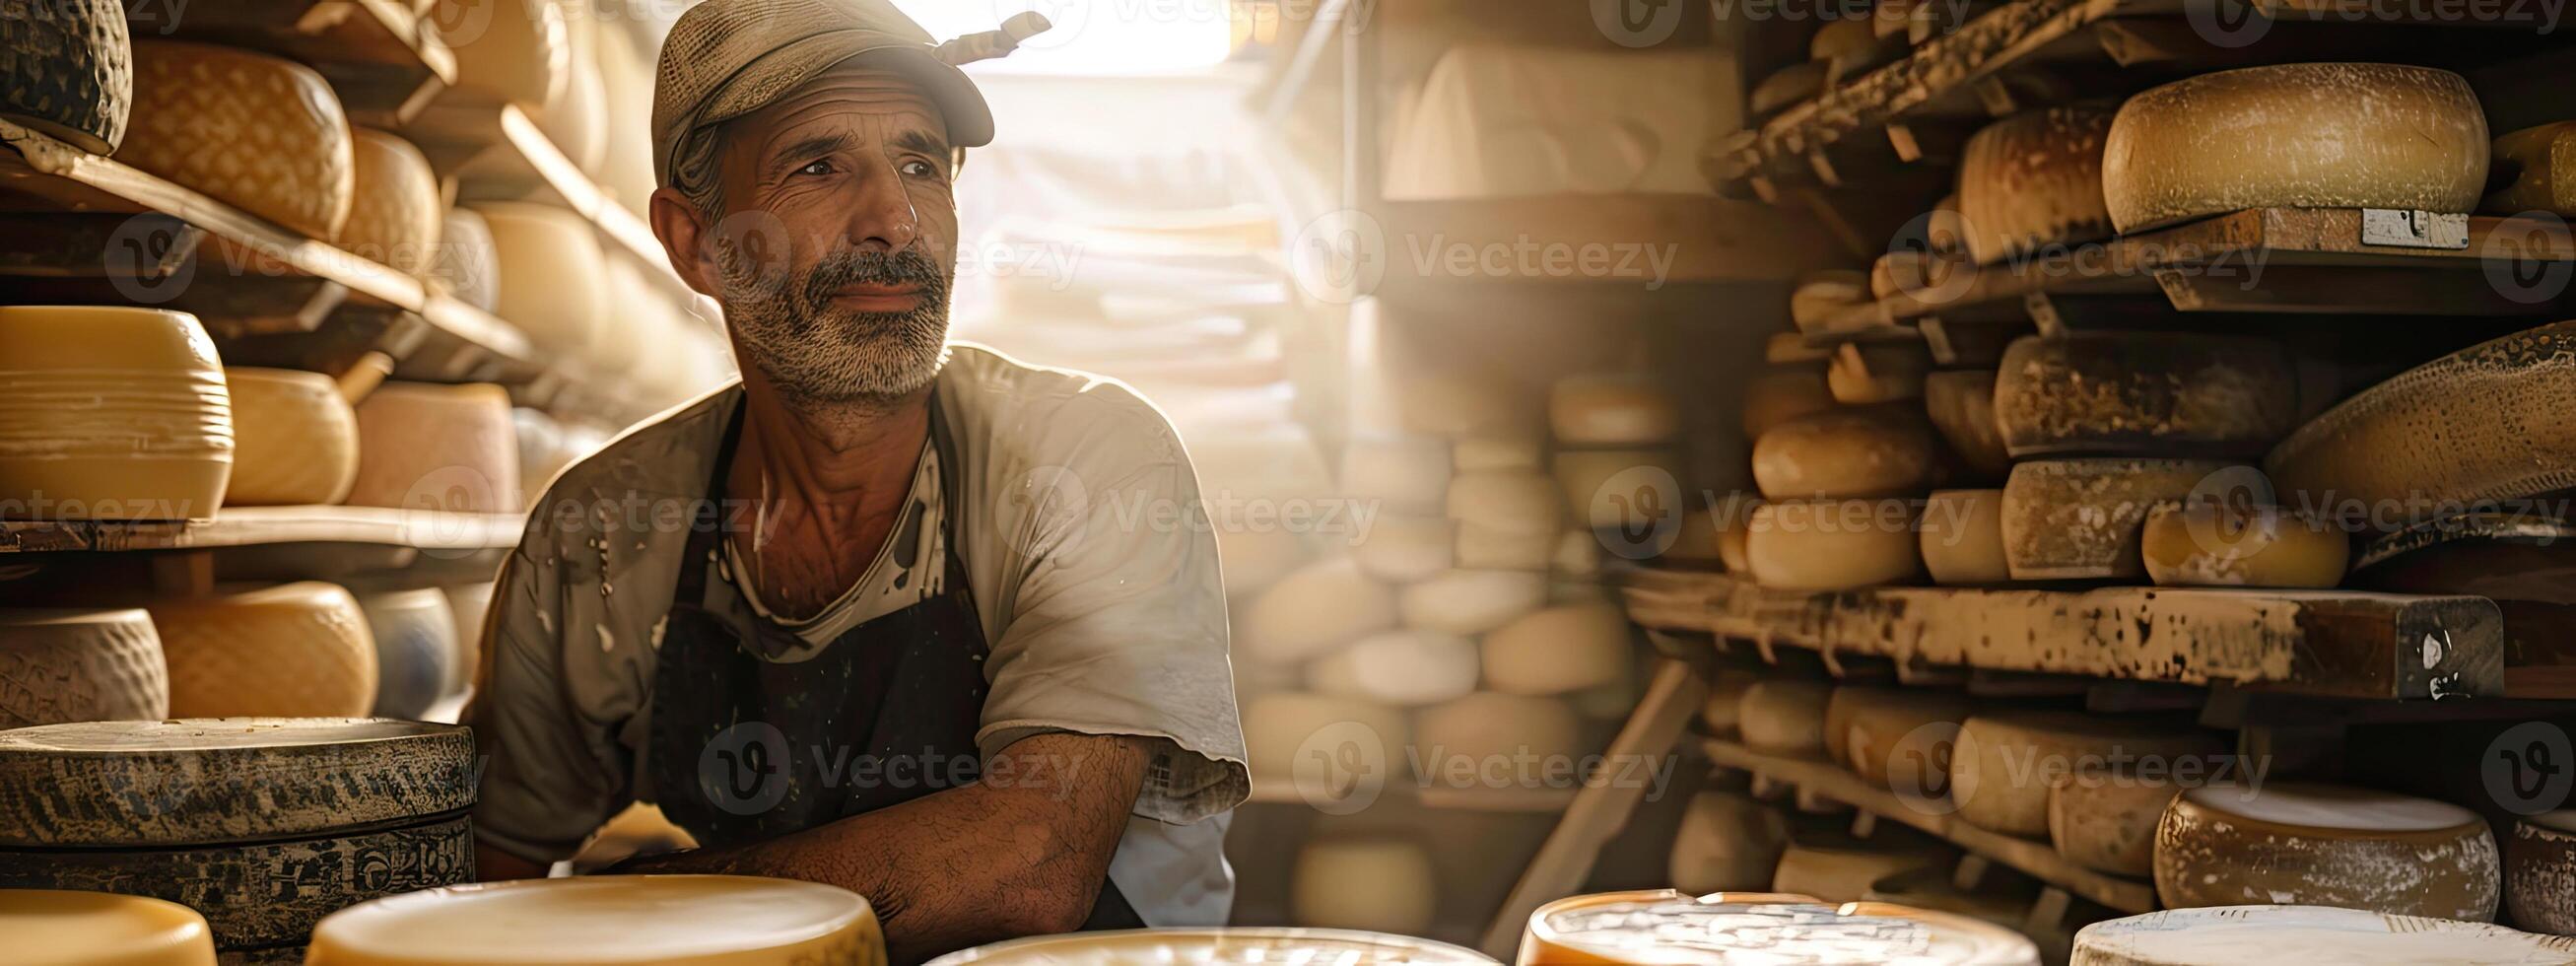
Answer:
x=2308 y=844
x=1376 y=883
x=507 y=51
x=396 y=213
x=256 y=132
x=2033 y=181
x=242 y=819
x=2540 y=872
x=416 y=650
x=1616 y=459
x=2004 y=762
x=424 y=446
x=1837 y=480
x=1647 y=928
x=63 y=666
x=1219 y=947
x=110 y=414
x=2229 y=935
x=70 y=74
x=296 y=438
x=554 y=285
x=1727 y=843
x=58 y=927
x=293 y=650
x=607 y=919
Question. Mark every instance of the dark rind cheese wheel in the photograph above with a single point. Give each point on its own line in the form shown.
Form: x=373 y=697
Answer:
x=2540 y=873
x=67 y=70
x=2537 y=168
x=268 y=894
x=208 y=780
x=2145 y=394
x=2307 y=844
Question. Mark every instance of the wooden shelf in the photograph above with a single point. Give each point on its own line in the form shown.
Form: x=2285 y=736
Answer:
x=499 y=154
x=382 y=63
x=2329 y=643
x=2033 y=858
x=257 y=526
x=1628 y=240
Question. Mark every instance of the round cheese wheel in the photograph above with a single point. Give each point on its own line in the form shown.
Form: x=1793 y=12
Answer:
x=517 y=51
x=289 y=651
x=1612 y=410
x=1560 y=649
x=1785 y=716
x=59 y=666
x=256 y=132
x=1322 y=606
x=1404 y=548
x=1962 y=406
x=1376 y=884
x=1621 y=487
x=2145 y=394
x=225 y=780
x=2003 y=764
x=2540 y=873
x=2307 y=844
x=2082 y=519
x=416 y=649
x=2033 y=180
x=1782 y=393
x=469 y=603
x=2105 y=818
x=555 y=286
x=1848 y=453
x=1484 y=548
x=1878 y=372
x=606 y=919
x=1498 y=450
x=1485 y=736
x=1646 y=928
x=2228 y=935
x=1962 y=537
x=395 y=212
x=1845 y=870
x=1510 y=502
x=2204 y=543
x=1727 y=843
x=1407 y=475
x=1471 y=601
x=295 y=438
x=467 y=268
x=72 y=77
x=626 y=88
x=53 y=927
x=1819 y=295
x=1219 y=947
x=1895 y=737
x=424 y=446
x=2537 y=168
x=1400 y=668
x=1832 y=544
x=1275 y=726
x=2295 y=136
x=110 y=414
x=1722 y=712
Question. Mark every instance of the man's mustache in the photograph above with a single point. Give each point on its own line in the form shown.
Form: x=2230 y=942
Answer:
x=843 y=269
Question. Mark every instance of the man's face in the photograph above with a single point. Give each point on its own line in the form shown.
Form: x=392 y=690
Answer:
x=837 y=245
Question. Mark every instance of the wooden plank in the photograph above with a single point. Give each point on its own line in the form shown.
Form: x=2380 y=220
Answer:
x=375 y=52
x=250 y=526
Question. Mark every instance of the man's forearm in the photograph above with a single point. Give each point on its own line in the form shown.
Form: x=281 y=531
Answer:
x=988 y=861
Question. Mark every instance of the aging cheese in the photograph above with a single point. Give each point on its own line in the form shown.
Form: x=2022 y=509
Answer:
x=1378 y=884
x=2145 y=394
x=2081 y=519
x=1643 y=928
x=225 y=780
x=2229 y=935
x=734 y=920
x=1784 y=393
x=1727 y=843
x=1487 y=548
x=1612 y=410
x=110 y=414
x=1962 y=537
x=289 y=651
x=416 y=650
x=2105 y=818
x=1879 y=372
x=2205 y=543
x=55 y=927
x=1722 y=712
x=626 y=76
x=423 y=446
x=1846 y=454
x=395 y=213
x=1575 y=647
x=1471 y=601
x=1634 y=488
x=2307 y=844
x=1577 y=555
x=1468 y=742
x=2537 y=167
x=1785 y=716
x=2034 y=180
x=1832 y=544
x=1400 y=668
x=1962 y=406
x=1408 y=475
x=258 y=133
x=507 y=50
x=1844 y=871
x=1307 y=614
x=1819 y=295
x=2005 y=760
x=60 y=666
x=467 y=267
x=1276 y=726
x=554 y=285
x=1406 y=548
x=295 y=438
x=1512 y=502
x=1245 y=945
x=1896 y=737
x=69 y=73
x=2295 y=136
x=2540 y=873
x=1490 y=451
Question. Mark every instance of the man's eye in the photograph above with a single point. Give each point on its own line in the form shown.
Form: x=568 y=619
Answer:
x=918 y=169
x=817 y=167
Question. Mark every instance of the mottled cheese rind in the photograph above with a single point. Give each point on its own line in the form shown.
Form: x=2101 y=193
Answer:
x=2159 y=394
x=259 y=133
x=2003 y=764
x=1881 y=734
x=1847 y=454
x=2204 y=543
x=59 y=666
x=1243 y=945
x=2540 y=873
x=395 y=213
x=2105 y=819
x=1666 y=926
x=70 y=71
x=2033 y=180
x=1785 y=716
x=2326 y=845
x=2081 y=519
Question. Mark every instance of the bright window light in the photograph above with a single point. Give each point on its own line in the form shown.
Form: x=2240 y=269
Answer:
x=1091 y=37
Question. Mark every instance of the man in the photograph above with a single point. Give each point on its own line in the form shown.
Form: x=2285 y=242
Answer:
x=882 y=615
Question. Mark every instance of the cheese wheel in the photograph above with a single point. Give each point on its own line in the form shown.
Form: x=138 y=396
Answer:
x=2540 y=872
x=256 y=132
x=2308 y=844
x=1727 y=843
x=2295 y=136
x=1634 y=488
x=423 y=446
x=1377 y=884
x=1878 y=372
x=1962 y=537
x=1484 y=548
x=2229 y=935
x=1644 y=928
x=735 y=920
x=469 y=603
x=2537 y=168
x=416 y=649
x=110 y=414
x=1407 y=475
x=1322 y=606
x=1844 y=871
x=2082 y=519
x=1507 y=501
x=225 y=780
x=289 y=651
x=1558 y=650
x=468 y=268
x=395 y=211
x=60 y=666
x=1233 y=945
x=516 y=51
x=70 y=74
x=1785 y=716
x=2105 y=818
x=1786 y=87
x=626 y=86
x=2005 y=760
x=1405 y=548
x=1961 y=405
x=1832 y=544
x=1468 y=742
x=1722 y=712
x=555 y=285
x=1895 y=737
x=2204 y=543
x=1612 y=410
x=1275 y=726
x=1819 y=295
x=54 y=927
x=2145 y=394
x=295 y=438
x=1400 y=668
x=1847 y=453
x=1490 y=451
x=1471 y=601
x=2033 y=180
x=1783 y=393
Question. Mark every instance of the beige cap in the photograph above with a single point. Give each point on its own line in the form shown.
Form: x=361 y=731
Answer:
x=728 y=58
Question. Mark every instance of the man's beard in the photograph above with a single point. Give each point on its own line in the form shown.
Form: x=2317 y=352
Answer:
x=817 y=353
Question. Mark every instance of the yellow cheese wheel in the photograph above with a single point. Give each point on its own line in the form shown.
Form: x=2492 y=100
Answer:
x=1276 y=726
x=1471 y=601
x=1895 y=737
x=2295 y=136
x=1612 y=410
x=2326 y=845
x=437 y=447
x=1832 y=544
x=1373 y=883
x=1845 y=870
x=1961 y=405
x=1785 y=716
x=2082 y=519
x=416 y=650
x=1819 y=295
x=2105 y=818
x=1635 y=488
x=1405 y=548
x=1847 y=453
x=2204 y=543
x=1508 y=501
x=2227 y=935
x=1309 y=613
x=554 y=284
x=1399 y=668
x=290 y=651
x=2537 y=168
x=1962 y=537
x=507 y=50
x=1722 y=712
x=1667 y=927
x=1727 y=843
x=1245 y=945
x=1782 y=393
x=48 y=927
x=2005 y=761
x=62 y=666
x=1499 y=450
x=256 y=132
x=1484 y=736
x=395 y=213
x=2033 y=180
x=1574 y=647
x=467 y=268
x=1878 y=372
x=296 y=438
x=732 y=920
x=110 y=414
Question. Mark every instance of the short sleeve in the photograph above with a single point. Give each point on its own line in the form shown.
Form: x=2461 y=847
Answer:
x=550 y=775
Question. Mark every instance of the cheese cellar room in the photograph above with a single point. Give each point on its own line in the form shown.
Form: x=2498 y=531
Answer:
x=1287 y=482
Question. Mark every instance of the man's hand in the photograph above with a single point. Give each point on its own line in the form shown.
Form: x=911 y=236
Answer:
x=989 y=861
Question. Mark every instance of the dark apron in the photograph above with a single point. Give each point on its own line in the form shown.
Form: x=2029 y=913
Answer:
x=746 y=749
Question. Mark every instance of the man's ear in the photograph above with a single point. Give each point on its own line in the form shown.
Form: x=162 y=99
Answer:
x=686 y=239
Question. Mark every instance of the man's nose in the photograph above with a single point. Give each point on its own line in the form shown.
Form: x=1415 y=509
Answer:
x=883 y=219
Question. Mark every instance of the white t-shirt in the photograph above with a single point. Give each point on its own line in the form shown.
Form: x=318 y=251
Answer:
x=1103 y=617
